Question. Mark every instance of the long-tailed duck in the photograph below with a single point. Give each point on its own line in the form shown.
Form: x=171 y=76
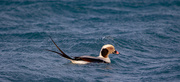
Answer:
x=102 y=58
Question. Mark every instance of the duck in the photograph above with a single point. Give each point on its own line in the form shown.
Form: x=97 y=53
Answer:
x=103 y=57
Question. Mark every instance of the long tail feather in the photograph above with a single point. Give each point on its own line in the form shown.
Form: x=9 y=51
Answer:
x=59 y=54
x=54 y=52
x=62 y=53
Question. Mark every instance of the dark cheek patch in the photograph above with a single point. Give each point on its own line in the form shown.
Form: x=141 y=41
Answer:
x=104 y=53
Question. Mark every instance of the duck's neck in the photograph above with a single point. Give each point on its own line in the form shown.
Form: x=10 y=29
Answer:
x=107 y=59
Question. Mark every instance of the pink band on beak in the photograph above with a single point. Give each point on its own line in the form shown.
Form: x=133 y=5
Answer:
x=117 y=52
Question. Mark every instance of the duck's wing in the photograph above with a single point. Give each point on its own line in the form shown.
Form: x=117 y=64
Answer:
x=89 y=59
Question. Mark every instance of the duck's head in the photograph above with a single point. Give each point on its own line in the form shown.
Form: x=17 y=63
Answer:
x=106 y=50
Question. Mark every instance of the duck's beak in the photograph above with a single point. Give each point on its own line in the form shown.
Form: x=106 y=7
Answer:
x=116 y=52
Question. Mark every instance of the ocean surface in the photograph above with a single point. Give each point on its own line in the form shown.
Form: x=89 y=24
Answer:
x=145 y=32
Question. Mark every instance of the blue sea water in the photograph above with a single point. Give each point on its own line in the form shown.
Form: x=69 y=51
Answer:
x=145 y=32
